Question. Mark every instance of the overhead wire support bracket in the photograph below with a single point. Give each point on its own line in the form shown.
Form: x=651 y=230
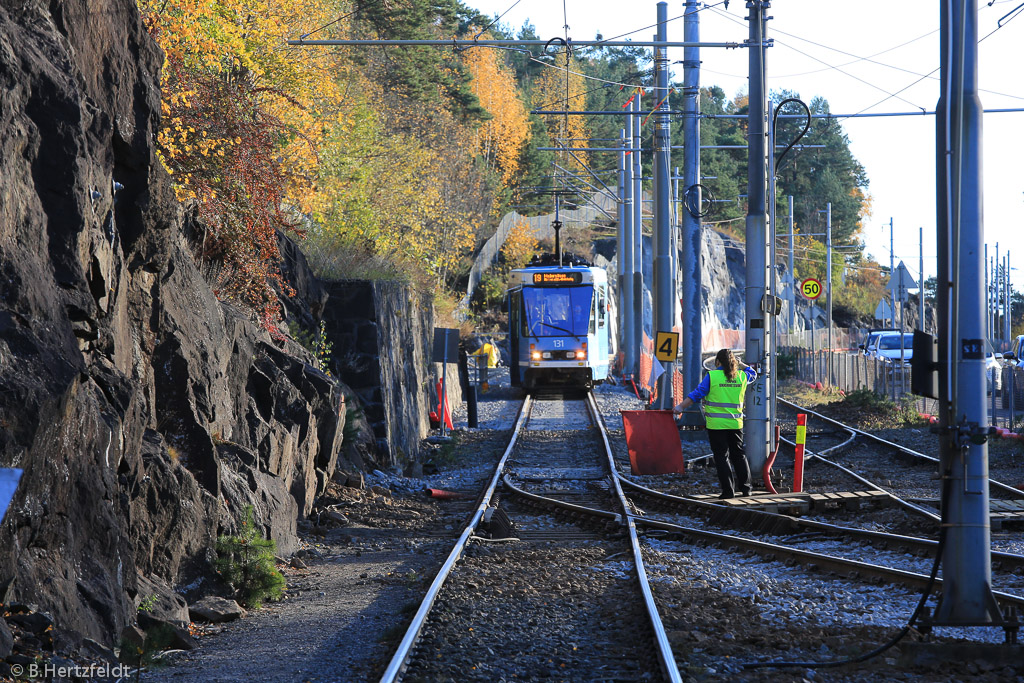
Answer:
x=459 y=43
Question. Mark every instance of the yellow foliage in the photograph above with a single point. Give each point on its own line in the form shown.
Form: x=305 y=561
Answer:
x=502 y=137
x=562 y=86
x=519 y=246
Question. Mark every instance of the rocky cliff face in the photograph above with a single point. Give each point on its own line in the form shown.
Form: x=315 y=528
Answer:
x=382 y=334
x=145 y=413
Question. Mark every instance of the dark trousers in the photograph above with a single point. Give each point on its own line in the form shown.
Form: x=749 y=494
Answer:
x=727 y=446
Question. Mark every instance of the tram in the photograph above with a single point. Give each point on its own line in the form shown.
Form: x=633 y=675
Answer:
x=559 y=325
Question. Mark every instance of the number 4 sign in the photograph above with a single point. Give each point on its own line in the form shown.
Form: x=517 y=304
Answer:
x=666 y=346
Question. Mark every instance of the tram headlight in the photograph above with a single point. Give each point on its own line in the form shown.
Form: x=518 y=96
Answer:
x=535 y=355
x=581 y=354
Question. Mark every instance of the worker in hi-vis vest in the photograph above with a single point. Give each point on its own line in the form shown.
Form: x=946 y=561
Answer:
x=723 y=390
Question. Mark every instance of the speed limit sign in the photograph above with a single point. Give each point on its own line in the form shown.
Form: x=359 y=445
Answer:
x=811 y=288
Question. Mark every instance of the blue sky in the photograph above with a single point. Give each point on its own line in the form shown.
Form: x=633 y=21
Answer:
x=856 y=55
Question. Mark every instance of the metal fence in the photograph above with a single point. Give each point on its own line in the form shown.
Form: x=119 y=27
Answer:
x=849 y=372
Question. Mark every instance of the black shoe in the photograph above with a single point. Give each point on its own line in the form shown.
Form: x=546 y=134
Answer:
x=744 y=493
x=725 y=496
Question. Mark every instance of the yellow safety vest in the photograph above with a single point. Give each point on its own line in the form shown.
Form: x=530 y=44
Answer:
x=723 y=406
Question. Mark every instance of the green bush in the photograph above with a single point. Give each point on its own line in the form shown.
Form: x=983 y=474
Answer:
x=246 y=563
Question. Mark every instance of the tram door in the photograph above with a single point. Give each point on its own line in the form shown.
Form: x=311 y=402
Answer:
x=515 y=306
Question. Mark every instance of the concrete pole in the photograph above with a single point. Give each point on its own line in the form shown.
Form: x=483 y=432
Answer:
x=664 y=277
x=828 y=280
x=638 y=236
x=892 y=271
x=1008 y=326
x=966 y=563
x=626 y=337
x=792 y=274
x=996 y=296
x=920 y=292
x=690 y=274
x=988 y=296
x=758 y=325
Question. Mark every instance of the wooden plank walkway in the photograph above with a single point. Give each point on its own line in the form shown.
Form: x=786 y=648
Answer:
x=797 y=503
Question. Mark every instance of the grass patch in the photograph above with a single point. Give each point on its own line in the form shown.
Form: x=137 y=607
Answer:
x=868 y=410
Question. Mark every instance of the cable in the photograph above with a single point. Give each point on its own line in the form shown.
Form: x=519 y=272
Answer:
x=775 y=123
x=497 y=19
x=352 y=13
x=940 y=547
x=688 y=200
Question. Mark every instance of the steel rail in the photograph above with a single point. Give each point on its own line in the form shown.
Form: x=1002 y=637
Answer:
x=398 y=660
x=916 y=509
x=885 y=538
x=668 y=660
x=1005 y=488
x=836 y=564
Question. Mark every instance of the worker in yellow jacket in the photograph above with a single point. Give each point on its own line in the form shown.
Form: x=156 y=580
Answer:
x=723 y=391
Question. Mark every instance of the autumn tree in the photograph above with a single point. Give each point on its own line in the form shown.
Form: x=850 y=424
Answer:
x=562 y=86
x=501 y=138
x=242 y=123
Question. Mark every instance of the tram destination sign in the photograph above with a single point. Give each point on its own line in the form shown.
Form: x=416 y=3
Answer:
x=558 y=278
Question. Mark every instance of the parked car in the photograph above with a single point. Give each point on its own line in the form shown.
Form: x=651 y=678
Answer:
x=869 y=346
x=993 y=369
x=887 y=347
x=1013 y=370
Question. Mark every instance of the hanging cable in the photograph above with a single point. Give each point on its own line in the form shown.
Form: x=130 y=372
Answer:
x=775 y=122
x=706 y=196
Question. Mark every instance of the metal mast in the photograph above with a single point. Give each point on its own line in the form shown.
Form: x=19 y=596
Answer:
x=967 y=597
x=664 y=277
x=756 y=426
x=626 y=258
x=639 y=296
x=690 y=270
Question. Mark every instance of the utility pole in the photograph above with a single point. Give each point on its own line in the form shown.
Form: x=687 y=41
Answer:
x=756 y=427
x=639 y=295
x=892 y=269
x=828 y=280
x=920 y=293
x=1008 y=327
x=967 y=597
x=792 y=274
x=664 y=277
x=625 y=253
x=690 y=273
x=996 y=297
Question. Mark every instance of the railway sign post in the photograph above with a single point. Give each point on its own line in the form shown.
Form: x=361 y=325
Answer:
x=445 y=350
x=811 y=288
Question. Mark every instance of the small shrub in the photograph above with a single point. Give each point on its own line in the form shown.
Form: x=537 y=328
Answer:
x=246 y=563
x=316 y=343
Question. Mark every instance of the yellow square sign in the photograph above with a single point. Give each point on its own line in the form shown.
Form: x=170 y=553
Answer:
x=666 y=346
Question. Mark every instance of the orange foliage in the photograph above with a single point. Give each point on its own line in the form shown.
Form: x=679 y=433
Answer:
x=502 y=137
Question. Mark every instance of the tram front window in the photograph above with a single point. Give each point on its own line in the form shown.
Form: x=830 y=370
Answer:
x=551 y=312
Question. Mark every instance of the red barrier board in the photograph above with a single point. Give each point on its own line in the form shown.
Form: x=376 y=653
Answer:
x=652 y=439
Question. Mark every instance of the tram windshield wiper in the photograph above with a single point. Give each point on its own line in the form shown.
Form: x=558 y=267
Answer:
x=560 y=329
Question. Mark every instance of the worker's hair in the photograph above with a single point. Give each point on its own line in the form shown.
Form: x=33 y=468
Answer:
x=728 y=362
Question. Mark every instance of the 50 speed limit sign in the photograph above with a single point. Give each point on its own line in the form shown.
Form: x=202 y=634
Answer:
x=811 y=288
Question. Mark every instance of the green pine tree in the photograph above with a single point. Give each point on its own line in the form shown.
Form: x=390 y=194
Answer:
x=246 y=563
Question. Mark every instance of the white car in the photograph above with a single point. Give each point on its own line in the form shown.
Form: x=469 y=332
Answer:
x=993 y=370
x=870 y=344
x=887 y=347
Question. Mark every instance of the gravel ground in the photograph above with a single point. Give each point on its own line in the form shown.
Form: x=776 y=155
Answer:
x=345 y=613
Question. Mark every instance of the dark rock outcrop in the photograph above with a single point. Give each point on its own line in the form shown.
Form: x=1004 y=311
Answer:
x=145 y=413
x=383 y=335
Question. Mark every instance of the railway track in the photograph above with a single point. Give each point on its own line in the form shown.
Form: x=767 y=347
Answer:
x=560 y=593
